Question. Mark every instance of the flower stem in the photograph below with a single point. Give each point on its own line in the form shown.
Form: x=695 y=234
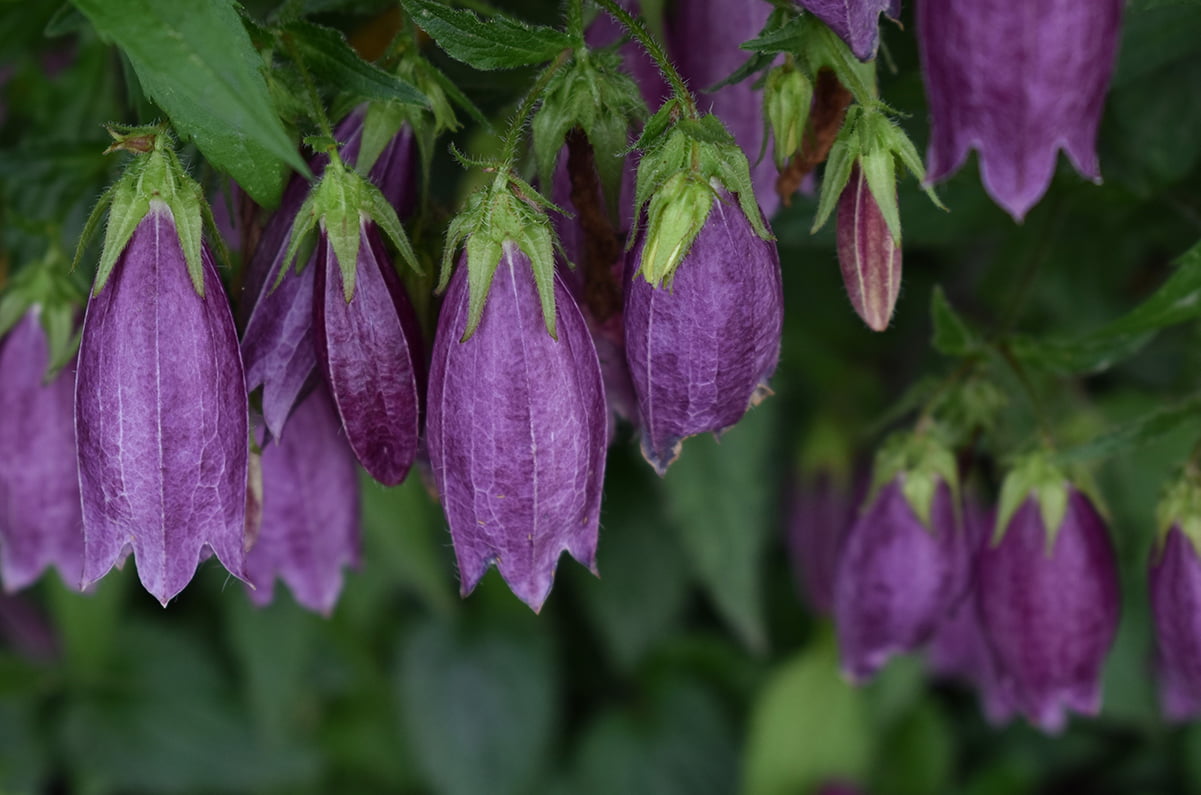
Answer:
x=637 y=29
x=317 y=108
x=517 y=126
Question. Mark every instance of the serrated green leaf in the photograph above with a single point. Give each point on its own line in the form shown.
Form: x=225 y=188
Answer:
x=328 y=55
x=952 y=337
x=194 y=59
x=498 y=42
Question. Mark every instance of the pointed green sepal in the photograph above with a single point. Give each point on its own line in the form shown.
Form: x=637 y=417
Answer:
x=483 y=255
x=1180 y=506
x=922 y=463
x=1034 y=476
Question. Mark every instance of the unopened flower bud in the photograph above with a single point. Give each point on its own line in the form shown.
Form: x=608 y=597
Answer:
x=676 y=214
x=868 y=254
x=786 y=100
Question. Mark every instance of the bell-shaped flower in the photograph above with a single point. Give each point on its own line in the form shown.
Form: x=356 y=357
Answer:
x=1047 y=587
x=857 y=22
x=160 y=399
x=702 y=347
x=1017 y=82
x=40 y=522
x=1175 y=585
x=905 y=562
x=310 y=509
x=516 y=429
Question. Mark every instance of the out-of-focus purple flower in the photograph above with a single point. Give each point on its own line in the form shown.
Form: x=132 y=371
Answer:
x=868 y=255
x=516 y=431
x=371 y=356
x=1048 y=600
x=1175 y=584
x=1017 y=82
x=701 y=349
x=40 y=523
x=160 y=416
x=704 y=38
x=857 y=22
x=897 y=578
x=822 y=511
x=839 y=788
x=310 y=521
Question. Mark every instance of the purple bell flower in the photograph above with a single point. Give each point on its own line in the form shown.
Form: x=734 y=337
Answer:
x=868 y=254
x=516 y=431
x=310 y=510
x=822 y=511
x=702 y=348
x=1048 y=600
x=897 y=578
x=160 y=416
x=1017 y=82
x=371 y=356
x=40 y=522
x=857 y=22
x=1175 y=584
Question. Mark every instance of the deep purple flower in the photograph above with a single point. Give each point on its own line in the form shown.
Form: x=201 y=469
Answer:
x=857 y=22
x=1017 y=82
x=897 y=578
x=160 y=416
x=1175 y=583
x=40 y=523
x=1048 y=600
x=822 y=511
x=704 y=39
x=702 y=348
x=516 y=431
x=310 y=520
x=371 y=356
x=868 y=255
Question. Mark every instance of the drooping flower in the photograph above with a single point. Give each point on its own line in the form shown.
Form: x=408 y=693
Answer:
x=1174 y=581
x=310 y=509
x=516 y=430
x=1048 y=597
x=904 y=563
x=857 y=22
x=868 y=254
x=702 y=348
x=160 y=415
x=1017 y=82
x=40 y=523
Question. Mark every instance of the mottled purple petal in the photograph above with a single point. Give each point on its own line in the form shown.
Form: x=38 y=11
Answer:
x=704 y=38
x=701 y=350
x=370 y=357
x=1050 y=614
x=40 y=523
x=857 y=22
x=160 y=417
x=310 y=525
x=516 y=432
x=1175 y=584
x=897 y=579
x=867 y=254
x=1017 y=82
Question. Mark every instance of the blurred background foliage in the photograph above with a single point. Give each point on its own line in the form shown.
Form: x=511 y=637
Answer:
x=692 y=665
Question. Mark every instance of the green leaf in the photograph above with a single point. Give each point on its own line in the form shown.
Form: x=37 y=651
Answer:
x=1182 y=418
x=195 y=61
x=498 y=42
x=488 y=696
x=916 y=754
x=1177 y=301
x=719 y=497
x=807 y=725
x=327 y=53
x=952 y=337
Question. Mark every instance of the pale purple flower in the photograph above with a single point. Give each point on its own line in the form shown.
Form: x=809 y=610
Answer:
x=822 y=511
x=516 y=432
x=857 y=22
x=1017 y=81
x=1175 y=585
x=310 y=509
x=40 y=523
x=160 y=416
x=702 y=348
x=1050 y=610
x=897 y=578
x=868 y=256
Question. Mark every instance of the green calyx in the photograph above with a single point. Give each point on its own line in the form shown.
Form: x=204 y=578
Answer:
x=922 y=463
x=154 y=174
x=684 y=162
x=787 y=97
x=1180 y=507
x=339 y=205
x=1034 y=476
x=509 y=212
x=47 y=287
x=871 y=139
